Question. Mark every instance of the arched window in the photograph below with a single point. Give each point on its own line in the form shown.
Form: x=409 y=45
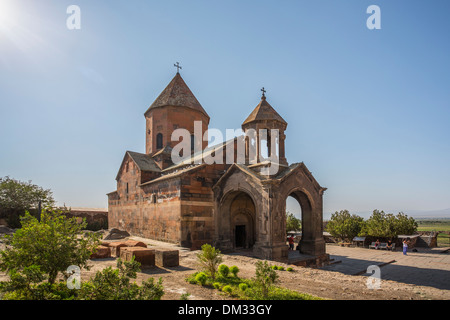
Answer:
x=159 y=141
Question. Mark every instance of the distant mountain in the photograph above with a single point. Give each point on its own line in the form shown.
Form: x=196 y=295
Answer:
x=444 y=213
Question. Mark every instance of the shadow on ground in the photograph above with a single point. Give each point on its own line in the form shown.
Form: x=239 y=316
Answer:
x=436 y=278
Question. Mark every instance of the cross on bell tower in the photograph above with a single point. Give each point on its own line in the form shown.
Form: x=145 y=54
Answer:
x=263 y=91
x=177 y=65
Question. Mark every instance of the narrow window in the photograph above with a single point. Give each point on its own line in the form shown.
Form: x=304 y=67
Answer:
x=159 y=141
x=192 y=143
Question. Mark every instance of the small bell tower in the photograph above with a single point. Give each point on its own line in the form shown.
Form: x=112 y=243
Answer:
x=268 y=128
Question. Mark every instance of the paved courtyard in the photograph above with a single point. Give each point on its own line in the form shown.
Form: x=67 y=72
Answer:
x=427 y=267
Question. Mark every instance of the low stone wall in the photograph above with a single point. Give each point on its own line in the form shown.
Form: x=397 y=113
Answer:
x=96 y=219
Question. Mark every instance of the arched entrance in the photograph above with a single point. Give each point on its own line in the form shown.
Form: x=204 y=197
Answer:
x=293 y=219
x=308 y=226
x=237 y=217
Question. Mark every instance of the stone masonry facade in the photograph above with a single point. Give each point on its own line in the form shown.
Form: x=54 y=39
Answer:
x=230 y=205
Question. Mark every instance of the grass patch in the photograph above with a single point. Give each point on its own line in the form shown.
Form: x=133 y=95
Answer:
x=430 y=225
x=443 y=239
x=247 y=289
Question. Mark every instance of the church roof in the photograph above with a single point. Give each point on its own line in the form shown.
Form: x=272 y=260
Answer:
x=144 y=161
x=264 y=111
x=177 y=94
x=166 y=150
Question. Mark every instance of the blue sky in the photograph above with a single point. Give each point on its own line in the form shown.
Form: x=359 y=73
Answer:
x=368 y=110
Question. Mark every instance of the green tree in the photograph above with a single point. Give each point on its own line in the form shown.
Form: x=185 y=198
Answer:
x=405 y=225
x=265 y=277
x=115 y=284
x=387 y=225
x=380 y=224
x=209 y=259
x=16 y=197
x=345 y=226
x=51 y=244
x=292 y=223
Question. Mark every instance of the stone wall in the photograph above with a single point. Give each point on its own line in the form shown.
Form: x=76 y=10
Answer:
x=96 y=218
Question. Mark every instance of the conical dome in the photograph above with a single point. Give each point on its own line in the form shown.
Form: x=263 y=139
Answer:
x=177 y=94
x=264 y=112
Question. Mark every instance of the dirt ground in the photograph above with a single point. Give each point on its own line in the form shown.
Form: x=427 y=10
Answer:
x=317 y=282
x=321 y=283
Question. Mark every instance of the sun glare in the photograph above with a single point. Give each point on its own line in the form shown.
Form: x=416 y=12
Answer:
x=7 y=11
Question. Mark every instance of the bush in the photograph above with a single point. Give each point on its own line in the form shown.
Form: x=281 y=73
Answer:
x=110 y=284
x=281 y=268
x=201 y=278
x=243 y=286
x=216 y=285
x=274 y=267
x=227 y=289
x=209 y=258
x=51 y=243
x=224 y=270
x=234 y=270
x=185 y=296
x=265 y=277
x=290 y=269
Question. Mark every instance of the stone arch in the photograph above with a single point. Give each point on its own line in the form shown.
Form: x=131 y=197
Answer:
x=302 y=187
x=236 y=220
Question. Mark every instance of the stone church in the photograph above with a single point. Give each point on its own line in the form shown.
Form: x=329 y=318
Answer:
x=229 y=205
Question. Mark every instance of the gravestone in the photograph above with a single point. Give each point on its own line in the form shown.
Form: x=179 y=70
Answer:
x=167 y=258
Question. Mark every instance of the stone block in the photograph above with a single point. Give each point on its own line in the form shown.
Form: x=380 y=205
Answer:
x=167 y=258
x=133 y=243
x=145 y=256
x=101 y=253
x=116 y=247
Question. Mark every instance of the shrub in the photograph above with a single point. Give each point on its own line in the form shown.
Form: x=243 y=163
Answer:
x=51 y=243
x=191 y=278
x=234 y=270
x=224 y=270
x=185 y=296
x=281 y=268
x=209 y=258
x=243 y=286
x=201 y=278
x=227 y=289
x=265 y=277
x=274 y=267
x=116 y=284
x=290 y=269
x=216 y=285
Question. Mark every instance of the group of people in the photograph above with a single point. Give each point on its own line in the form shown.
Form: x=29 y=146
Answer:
x=389 y=245
x=377 y=244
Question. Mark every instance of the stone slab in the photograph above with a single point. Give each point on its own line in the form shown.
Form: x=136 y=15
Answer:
x=145 y=256
x=167 y=258
x=101 y=253
x=115 y=248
